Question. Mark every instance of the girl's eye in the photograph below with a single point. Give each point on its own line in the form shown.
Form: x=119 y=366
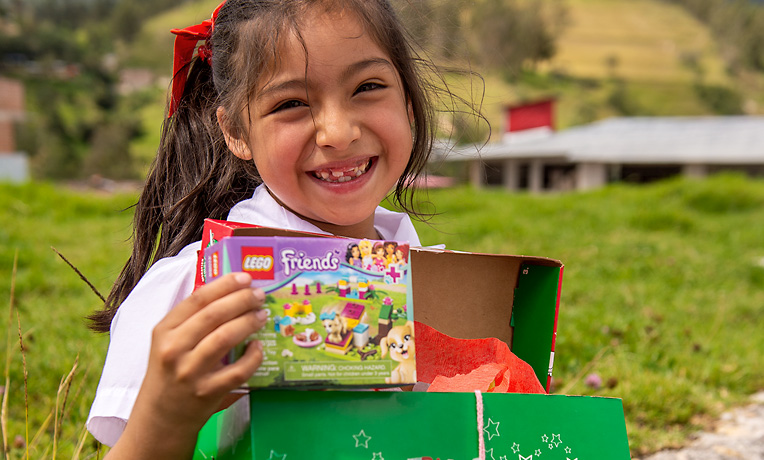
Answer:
x=369 y=87
x=291 y=104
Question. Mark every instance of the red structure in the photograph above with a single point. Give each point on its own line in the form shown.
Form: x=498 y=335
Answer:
x=11 y=110
x=531 y=115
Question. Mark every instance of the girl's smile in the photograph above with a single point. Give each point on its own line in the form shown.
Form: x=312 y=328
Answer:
x=330 y=129
x=340 y=174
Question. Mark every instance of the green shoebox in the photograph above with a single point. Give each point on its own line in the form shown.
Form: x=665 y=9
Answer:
x=465 y=295
x=345 y=425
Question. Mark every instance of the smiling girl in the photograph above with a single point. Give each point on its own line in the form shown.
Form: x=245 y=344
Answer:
x=296 y=114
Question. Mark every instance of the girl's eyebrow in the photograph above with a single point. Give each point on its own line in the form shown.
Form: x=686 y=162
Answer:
x=360 y=66
x=280 y=87
x=347 y=73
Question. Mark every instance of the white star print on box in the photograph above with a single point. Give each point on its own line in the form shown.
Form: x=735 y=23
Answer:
x=361 y=439
x=275 y=456
x=494 y=426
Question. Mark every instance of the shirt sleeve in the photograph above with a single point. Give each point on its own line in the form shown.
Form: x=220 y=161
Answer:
x=166 y=283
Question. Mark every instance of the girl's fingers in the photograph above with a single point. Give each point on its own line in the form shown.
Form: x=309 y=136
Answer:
x=214 y=346
x=216 y=314
x=233 y=375
x=204 y=296
x=207 y=312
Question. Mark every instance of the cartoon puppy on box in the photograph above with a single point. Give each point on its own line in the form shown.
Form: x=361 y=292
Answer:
x=400 y=344
x=335 y=326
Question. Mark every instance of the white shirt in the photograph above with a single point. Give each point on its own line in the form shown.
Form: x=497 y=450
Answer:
x=171 y=280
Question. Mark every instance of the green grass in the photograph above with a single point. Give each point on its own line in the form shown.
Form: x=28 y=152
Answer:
x=665 y=280
x=662 y=295
x=52 y=301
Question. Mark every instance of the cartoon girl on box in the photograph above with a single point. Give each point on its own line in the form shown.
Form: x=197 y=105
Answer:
x=353 y=255
x=390 y=252
x=366 y=259
x=402 y=255
x=380 y=263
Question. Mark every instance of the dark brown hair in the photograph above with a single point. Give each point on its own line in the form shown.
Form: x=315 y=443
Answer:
x=194 y=176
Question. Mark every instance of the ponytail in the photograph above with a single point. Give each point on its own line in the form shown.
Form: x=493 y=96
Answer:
x=193 y=177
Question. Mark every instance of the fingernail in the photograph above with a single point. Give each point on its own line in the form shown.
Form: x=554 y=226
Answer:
x=259 y=345
x=259 y=294
x=262 y=315
x=243 y=278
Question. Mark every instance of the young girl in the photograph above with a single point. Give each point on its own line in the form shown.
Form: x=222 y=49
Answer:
x=299 y=114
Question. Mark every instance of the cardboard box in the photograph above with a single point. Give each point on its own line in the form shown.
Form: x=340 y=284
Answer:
x=342 y=425
x=465 y=295
x=339 y=309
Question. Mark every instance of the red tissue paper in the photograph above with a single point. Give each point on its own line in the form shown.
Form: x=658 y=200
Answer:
x=465 y=365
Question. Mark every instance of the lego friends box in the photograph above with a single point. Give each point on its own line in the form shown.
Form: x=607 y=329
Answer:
x=339 y=310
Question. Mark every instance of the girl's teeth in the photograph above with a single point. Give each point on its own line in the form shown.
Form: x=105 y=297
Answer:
x=341 y=176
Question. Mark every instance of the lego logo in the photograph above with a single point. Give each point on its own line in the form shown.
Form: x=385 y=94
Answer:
x=257 y=263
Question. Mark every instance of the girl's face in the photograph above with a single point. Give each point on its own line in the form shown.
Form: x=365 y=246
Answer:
x=330 y=140
x=355 y=252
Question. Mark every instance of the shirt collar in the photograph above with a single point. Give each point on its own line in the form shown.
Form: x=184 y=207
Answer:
x=263 y=210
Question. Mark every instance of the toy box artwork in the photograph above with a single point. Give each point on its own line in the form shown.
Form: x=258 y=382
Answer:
x=340 y=310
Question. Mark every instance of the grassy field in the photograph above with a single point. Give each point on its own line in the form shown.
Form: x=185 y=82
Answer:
x=662 y=298
x=52 y=301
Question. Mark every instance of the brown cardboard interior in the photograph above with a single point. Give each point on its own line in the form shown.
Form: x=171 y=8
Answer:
x=474 y=293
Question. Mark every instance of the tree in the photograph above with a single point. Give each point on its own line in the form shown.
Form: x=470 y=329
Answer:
x=509 y=35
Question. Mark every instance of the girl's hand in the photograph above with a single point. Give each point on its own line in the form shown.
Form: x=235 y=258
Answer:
x=186 y=381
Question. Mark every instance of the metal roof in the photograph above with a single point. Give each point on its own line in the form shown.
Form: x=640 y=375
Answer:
x=653 y=140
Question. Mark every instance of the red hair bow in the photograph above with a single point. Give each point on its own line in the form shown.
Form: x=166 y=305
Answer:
x=185 y=44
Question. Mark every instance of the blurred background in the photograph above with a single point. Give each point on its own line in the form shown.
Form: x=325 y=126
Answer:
x=623 y=137
x=84 y=81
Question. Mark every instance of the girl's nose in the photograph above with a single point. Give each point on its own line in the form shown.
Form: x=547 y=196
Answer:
x=336 y=128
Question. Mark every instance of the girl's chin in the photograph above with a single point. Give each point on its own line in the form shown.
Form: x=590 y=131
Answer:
x=346 y=224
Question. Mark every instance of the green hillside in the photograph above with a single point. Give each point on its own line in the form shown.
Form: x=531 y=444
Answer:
x=648 y=39
x=614 y=58
x=153 y=45
x=629 y=57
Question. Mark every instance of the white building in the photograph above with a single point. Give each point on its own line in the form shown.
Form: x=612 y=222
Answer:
x=637 y=149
